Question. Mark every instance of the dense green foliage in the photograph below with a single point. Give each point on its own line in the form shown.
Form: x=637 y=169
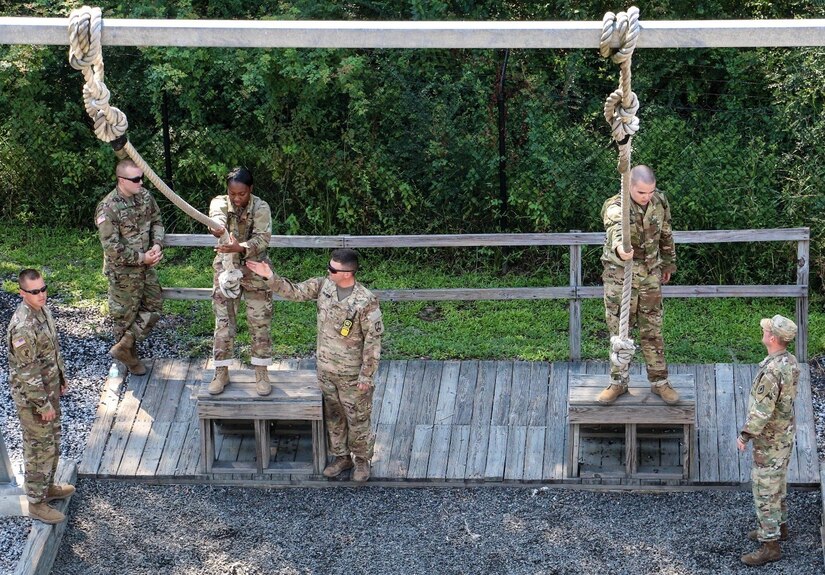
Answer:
x=406 y=141
x=696 y=331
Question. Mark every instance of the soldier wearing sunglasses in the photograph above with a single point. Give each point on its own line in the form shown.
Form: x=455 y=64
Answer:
x=131 y=233
x=37 y=379
x=349 y=347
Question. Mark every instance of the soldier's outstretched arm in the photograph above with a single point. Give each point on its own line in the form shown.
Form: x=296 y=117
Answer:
x=285 y=288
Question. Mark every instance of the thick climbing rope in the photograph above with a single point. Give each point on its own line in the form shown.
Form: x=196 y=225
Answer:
x=110 y=123
x=620 y=112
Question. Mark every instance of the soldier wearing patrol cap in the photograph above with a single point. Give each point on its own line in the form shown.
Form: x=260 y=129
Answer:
x=349 y=346
x=770 y=425
x=37 y=379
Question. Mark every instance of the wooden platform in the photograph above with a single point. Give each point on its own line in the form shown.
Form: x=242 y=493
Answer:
x=453 y=421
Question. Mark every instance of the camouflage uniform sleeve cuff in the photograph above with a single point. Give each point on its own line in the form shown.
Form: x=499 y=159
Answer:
x=744 y=437
x=366 y=380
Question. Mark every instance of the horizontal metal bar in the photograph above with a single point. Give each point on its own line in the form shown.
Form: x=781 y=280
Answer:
x=477 y=240
x=453 y=34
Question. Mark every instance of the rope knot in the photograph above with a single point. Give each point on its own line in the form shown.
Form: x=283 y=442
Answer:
x=626 y=26
x=86 y=55
x=622 y=350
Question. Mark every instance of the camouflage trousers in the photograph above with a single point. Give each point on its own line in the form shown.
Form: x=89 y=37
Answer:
x=347 y=412
x=645 y=312
x=41 y=450
x=135 y=301
x=769 y=477
x=258 y=297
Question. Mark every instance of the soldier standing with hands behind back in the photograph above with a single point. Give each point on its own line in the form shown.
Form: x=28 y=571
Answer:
x=37 y=379
x=131 y=233
x=770 y=425
x=349 y=346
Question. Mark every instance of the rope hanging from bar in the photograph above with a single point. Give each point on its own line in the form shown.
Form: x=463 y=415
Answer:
x=620 y=112
x=110 y=123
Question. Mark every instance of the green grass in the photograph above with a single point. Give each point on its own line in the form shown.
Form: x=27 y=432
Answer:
x=696 y=330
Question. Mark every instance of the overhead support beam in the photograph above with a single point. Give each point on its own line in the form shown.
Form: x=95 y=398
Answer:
x=350 y=34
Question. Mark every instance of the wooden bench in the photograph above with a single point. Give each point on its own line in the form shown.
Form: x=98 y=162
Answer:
x=295 y=396
x=638 y=407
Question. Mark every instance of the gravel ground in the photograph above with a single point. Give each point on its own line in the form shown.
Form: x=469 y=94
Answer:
x=139 y=529
x=117 y=527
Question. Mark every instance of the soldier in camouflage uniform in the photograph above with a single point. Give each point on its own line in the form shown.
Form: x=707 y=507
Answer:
x=131 y=233
x=770 y=425
x=249 y=222
x=654 y=261
x=38 y=379
x=349 y=347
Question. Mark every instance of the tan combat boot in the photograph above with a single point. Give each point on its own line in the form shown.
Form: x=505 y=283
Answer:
x=137 y=367
x=341 y=463
x=783 y=533
x=43 y=512
x=219 y=381
x=768 y=552
x=122 y=350
x=362 y=469
x=59 y=491
x=665 y=391
x=262 y=385
x=611 y=393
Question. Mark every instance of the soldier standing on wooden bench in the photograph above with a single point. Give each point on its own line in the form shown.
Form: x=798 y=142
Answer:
x=131 y=233
x=37 y=379
x=249 y=222
x=770 y=425
x=654 y=261
x=349 y=347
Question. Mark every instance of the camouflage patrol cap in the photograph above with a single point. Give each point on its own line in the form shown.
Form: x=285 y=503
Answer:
x=780 y=326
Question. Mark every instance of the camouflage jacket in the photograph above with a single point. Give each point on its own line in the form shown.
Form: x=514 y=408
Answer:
x=127 y=227
x=770 y=408
x=651 y=234
x=36 y=369
x=344 y=349
x=252 y=227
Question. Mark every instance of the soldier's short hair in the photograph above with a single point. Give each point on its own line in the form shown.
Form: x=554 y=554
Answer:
x=346 y=256
x=241 y=175
x=642 y=174
x=122 y=165
x=28 y=274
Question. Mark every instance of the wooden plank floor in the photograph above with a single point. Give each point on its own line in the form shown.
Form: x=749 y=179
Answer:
x=453 y=421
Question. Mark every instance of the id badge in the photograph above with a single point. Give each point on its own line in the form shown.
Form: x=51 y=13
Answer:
x=346 y=327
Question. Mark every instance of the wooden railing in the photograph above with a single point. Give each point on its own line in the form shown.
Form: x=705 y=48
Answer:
x=574 y=291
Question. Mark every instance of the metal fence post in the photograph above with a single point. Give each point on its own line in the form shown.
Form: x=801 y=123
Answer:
x=575 y=327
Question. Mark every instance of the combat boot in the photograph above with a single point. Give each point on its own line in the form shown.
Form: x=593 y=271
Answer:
x=262 y=385
x=611 y=393
x=59 y=491
x=768 y=552
x=122 y=350
x=341 y=463
x=137 y=367
x=783 y=533
x=43 y=512
x=219 y=381
x=362 y=469
x=665 y=391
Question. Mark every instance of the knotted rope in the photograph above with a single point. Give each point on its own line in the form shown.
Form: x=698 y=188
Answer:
x=620 y=112
x=110 y=124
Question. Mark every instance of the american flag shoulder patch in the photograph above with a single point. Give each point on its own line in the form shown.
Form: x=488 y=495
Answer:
x=19 y=341
x=100 y=219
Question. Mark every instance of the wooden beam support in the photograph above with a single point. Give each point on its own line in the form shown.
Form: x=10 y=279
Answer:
x=395 y=34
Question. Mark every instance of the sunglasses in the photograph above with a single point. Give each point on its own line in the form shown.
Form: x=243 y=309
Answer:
x=332 y=270
x=36 y=291
x=135 y=180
